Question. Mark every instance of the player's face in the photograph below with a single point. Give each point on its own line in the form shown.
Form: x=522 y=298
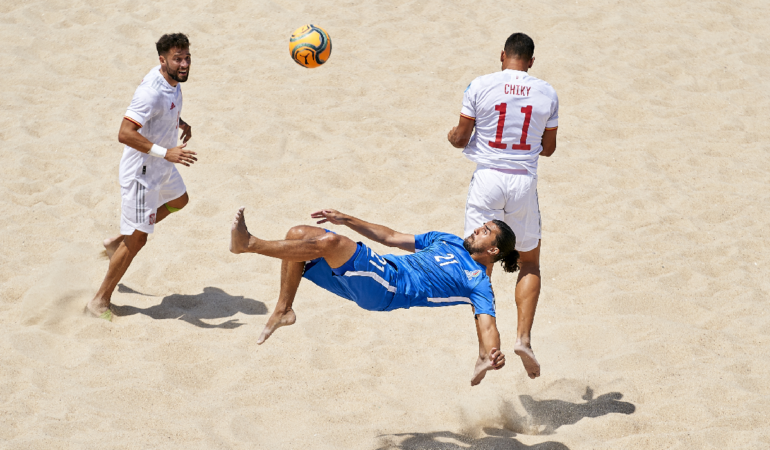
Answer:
x=177 y=64
x=482 y=239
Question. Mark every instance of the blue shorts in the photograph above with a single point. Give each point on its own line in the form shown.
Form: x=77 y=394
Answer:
x=366 y=278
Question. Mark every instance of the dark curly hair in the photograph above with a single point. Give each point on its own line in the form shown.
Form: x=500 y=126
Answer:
x=519 y=46
x=169 y=41
x=506 y=243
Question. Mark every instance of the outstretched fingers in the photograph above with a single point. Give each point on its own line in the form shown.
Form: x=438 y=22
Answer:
x=319 y=215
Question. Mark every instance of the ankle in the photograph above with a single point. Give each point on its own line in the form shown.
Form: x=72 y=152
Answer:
x=523 y=341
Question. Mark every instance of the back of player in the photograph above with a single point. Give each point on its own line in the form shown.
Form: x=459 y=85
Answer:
x=515 y=117
x=512 y=110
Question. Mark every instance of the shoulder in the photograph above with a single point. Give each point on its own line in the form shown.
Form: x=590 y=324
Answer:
x=482 y=81
x=544 y=87
x=426 y=239
x=448 y=237
x=151 y=83
x=488 y=79
x=482 y=285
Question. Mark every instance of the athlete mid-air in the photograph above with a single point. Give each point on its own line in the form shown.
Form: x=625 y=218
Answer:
x=515 y=116
x=443 y=270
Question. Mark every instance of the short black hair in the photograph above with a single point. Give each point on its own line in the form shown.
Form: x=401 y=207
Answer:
x=506 y=243
x=519 y=46
x=169 y=41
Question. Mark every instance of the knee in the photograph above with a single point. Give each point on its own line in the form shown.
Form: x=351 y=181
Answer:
x=330 y=241
x=135 y=242
x=297 y=232
x=180 y=202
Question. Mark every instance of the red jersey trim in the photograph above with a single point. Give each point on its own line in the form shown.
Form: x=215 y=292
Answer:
x=133 y=121
x=467 y=117
x=552 y=128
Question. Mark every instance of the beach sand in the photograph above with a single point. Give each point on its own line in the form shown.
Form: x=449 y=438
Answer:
x=652 y=328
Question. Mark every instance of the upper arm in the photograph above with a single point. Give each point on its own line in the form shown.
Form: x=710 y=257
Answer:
x=549 y=141
x=549 y=135
x=142 y=105
x=486 y=330
x=127 y=128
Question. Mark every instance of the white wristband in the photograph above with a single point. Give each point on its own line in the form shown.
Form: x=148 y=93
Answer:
x=158 y=151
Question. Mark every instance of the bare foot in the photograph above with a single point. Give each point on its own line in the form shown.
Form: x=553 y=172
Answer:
x=277 y=320
x=495 y=361
x=239 y=234
x=112 y=244
x=527 y=358
x=100 y=309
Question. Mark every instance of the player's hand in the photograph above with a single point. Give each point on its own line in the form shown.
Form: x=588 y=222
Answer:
x=450 y=135
x=497 y=359
x=178 y=155
x=186 y=131
x=329 y=215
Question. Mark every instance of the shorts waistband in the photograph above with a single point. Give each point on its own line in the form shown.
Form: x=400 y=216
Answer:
x=512 y=171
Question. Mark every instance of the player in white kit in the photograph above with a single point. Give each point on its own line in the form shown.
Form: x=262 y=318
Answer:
x=515 y=116
x=150 y=184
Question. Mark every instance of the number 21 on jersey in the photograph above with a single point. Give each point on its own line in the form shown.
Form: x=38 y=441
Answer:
x=448 y=259
x=498 y=142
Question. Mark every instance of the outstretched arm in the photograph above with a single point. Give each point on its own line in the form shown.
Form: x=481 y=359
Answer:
x=490 y=356
x=377 y=233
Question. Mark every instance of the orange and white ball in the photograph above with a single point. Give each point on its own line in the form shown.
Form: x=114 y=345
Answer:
x=310 y=46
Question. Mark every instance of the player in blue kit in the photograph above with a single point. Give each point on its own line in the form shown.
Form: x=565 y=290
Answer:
x=444 y=270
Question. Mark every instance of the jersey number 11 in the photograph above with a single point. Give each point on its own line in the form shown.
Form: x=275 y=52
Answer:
x=498 y=142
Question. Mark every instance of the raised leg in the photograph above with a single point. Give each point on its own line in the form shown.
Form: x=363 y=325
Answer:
x=527 y=294
x=335 y=249
x=177 y=203
x=302 y=244
x=112 y=244
x=121 y=259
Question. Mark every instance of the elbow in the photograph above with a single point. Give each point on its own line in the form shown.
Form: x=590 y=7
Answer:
x=460 y=144
x=122 y=137
x=548 y=152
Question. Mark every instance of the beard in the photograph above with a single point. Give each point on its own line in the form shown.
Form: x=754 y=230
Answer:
x=468 y=245
x=176 y=77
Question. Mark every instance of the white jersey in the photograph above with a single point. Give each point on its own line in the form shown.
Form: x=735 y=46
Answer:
x=512 y=110
x=156 y=108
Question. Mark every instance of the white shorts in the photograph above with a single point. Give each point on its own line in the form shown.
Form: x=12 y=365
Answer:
x=141 y=203
x=507 y=195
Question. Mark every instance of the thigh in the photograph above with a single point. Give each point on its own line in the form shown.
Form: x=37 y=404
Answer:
x=522 y=212
x=369 y=278
x=486 y=199
x=138 y=208
x=171 y=187
x=362 y=279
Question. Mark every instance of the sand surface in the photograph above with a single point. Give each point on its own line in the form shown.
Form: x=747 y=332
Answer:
x=652 y=328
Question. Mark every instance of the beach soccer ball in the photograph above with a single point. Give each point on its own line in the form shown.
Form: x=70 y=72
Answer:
x=310 y=46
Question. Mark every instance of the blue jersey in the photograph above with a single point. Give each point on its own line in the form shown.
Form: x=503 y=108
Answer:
x=441 y=273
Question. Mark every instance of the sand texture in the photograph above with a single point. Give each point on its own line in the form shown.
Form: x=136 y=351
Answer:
x=652 y=330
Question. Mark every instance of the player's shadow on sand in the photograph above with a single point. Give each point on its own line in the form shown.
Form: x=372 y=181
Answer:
x=213 y=303
x=548 y=415
x=543 y=418
x=446 y=440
